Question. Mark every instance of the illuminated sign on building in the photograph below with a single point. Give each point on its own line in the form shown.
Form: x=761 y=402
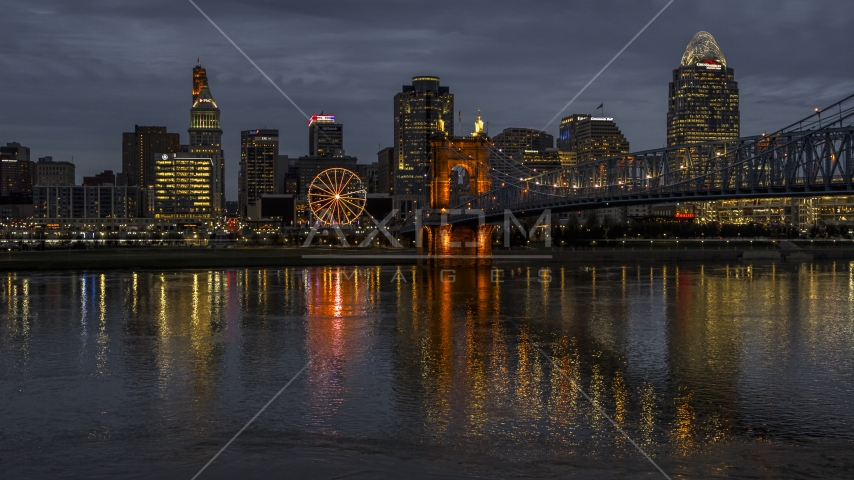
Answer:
x=709 y=64
x=602 y=119
x=206 y=100
x=321 y=118
x=683 y=215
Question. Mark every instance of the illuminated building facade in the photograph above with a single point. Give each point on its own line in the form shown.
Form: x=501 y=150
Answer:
x=567 y=159
x=206 y=137
x=703 y=99
x=183 y=187
x=591 y=137
x=743 y=211
x=85 y=202
x=49 y=172
x=420 y=110
x=824 y=211
x=539 y=161
x=325 y=137
x=259 y=154
x=801 y=213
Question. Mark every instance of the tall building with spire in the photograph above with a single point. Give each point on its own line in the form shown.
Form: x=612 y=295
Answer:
x=420 y=110
x=206 y=136
x=703 y=100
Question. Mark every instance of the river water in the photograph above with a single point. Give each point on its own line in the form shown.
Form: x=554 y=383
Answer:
x=715 y=371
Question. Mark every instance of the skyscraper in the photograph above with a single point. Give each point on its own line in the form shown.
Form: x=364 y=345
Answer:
x=420 y=110
x=567 y=140
x=206 y=136
x=325 y=137
x=259 y=153
x=591 y=137
x=703 y=101
x=17 y=172
x=139 y=149
x=385 y=170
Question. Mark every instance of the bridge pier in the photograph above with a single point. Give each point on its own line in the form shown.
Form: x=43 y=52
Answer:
x=458 y=245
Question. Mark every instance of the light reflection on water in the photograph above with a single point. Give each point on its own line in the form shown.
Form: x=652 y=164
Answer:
x=682 y=357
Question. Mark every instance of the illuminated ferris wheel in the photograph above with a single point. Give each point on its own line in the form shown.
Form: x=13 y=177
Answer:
x=337 y=196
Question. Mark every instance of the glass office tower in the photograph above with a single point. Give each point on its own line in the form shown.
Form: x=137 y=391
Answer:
x=420 y=110
x=703 y=103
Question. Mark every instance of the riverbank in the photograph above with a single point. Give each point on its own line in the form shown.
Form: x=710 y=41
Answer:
x=687 y=255
x=259 y=257
x=191 y=257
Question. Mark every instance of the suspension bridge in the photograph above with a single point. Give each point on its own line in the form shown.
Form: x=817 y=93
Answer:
x=810 y=157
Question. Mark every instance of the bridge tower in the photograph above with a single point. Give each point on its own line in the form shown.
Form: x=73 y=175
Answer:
x=459 y=171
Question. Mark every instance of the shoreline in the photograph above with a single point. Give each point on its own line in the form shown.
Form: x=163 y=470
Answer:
x=171 y=258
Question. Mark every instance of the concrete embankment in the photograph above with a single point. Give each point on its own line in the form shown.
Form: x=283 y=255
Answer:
x=675 y=256
x=259 y=257
x=620 y=256
x=194 y=257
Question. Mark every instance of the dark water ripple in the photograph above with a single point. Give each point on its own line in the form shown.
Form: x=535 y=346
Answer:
x=717 y=371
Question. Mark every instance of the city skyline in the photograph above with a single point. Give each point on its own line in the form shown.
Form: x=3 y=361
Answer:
x=634 y=89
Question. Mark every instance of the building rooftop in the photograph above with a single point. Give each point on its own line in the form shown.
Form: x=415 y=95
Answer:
x=703 y=47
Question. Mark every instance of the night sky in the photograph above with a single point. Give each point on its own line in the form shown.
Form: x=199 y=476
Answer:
x=76 y=74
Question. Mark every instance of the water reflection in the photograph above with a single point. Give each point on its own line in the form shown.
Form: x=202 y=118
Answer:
x=680 y=357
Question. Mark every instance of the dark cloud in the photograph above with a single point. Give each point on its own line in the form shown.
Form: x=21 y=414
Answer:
x=77 y=74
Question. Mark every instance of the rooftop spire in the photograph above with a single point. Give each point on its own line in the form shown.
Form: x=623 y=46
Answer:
x=701 y=48
x=200 y=78
x=478 y=126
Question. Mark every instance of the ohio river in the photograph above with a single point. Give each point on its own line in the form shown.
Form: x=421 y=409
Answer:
x=715 y=371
